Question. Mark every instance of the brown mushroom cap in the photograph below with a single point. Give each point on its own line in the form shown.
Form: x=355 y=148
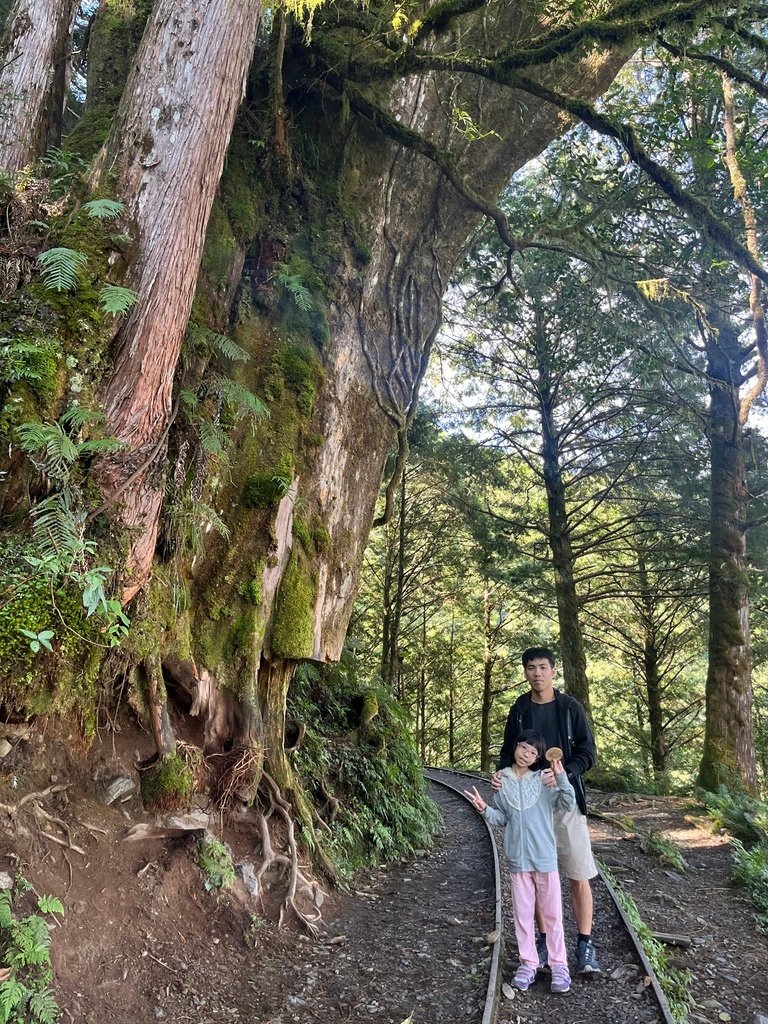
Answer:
x=554 y=754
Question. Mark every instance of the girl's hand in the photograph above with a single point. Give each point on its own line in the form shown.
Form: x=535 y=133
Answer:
x=557 y=767
x=477 y=801
x=547 y=778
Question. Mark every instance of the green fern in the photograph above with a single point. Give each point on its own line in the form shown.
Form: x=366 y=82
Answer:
x=244 y=400
x=57 y=529
x=103 y=209
x=50 y=905
x=60 y=451
x=213 y=439
x=295 y=287
x=114 y=299
x=60 y=268
x=25 y=996
x=12 y=993
x=44 y=1007
x=216 y=344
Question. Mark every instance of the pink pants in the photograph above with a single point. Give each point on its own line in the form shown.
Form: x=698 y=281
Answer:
x=528 y=889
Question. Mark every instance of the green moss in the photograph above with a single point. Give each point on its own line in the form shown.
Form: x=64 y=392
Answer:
x=240 y=636
x=263 y=490
x=293 y=626
x=302 y=534
x=168 y=785
x=301 y=371
x=250 y=587
x=220 y=247
x=91 y=131
x=321 y=538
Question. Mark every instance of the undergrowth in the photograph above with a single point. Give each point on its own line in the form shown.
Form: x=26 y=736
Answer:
x=364 y=775
x=658 y=845
x=675 y=983
x=214 y=859
x=25 y=990
x=746 y=819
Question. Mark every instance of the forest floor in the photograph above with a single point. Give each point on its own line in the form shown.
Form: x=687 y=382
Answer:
x=143 y=940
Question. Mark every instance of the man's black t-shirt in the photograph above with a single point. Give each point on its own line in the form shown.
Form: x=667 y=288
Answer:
x=544 y=720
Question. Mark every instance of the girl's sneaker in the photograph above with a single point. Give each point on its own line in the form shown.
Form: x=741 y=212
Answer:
x=561 y=979
x=524 y=977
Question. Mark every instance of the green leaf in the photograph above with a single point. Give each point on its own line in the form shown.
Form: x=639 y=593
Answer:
x=11 y=994
x=218 y=344
x=60 y=268
x=114 y=299
x=103 y=209
x=50 y=904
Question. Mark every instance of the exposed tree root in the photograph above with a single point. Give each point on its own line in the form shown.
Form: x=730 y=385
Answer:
x=277 y=805
x=12 y=810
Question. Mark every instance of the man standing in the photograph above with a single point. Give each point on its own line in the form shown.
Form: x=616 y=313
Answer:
x=563 y=723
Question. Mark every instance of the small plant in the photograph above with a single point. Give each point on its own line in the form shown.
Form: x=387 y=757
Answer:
x=25 y=993
x=675 y=983
x=750 y=869
x=214 y=859
x=745 y=817
x=659 y=846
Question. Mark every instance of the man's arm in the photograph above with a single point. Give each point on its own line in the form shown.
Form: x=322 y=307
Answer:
x=583 y=752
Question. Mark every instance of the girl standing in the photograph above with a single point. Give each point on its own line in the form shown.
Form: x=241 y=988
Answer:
x=524 y=807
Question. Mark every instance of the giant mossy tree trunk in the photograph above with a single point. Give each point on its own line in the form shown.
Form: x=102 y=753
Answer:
x=374 y=231
x=326 y=264
x=34 y=64
x=729 y=754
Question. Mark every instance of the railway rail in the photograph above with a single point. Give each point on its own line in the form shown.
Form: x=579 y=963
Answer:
x=457 y=781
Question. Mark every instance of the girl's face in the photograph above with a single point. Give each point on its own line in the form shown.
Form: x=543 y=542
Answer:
x=525 y=755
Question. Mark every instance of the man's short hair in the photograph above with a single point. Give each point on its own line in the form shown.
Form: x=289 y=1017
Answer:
x=531 y=653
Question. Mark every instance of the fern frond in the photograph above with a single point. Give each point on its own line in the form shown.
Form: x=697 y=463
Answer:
x=60 y=450
x=103 y=209
x=189 y=399
x=44 y=1007
x=114 y=299
x=78 y=416
x=244 y=400
x=57 y=528
x=224 y=346
x=216 y=344
x=213 y=439
x=296 y=288
x=60 y=268
x=99 y=446
x=11 y=994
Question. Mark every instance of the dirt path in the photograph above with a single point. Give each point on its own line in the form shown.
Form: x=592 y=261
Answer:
x=727 y=958
x=143 y=941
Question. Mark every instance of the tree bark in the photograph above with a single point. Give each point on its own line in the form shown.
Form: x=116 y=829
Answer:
x=34 y=74
x=173 y=126
x=489 y=660
x=572 y=656
x=729 y=754
x=651 y=672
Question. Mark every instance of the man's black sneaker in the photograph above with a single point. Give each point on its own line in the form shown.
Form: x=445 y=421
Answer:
x=541 y=949
x=586 y=957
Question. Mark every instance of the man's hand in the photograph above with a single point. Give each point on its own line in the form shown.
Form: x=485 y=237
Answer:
x=496 y=782
x=477 y=801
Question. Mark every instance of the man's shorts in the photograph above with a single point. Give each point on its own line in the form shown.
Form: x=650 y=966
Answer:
x=574 y=849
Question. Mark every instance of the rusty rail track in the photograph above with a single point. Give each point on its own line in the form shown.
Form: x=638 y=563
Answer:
x=494 y=983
